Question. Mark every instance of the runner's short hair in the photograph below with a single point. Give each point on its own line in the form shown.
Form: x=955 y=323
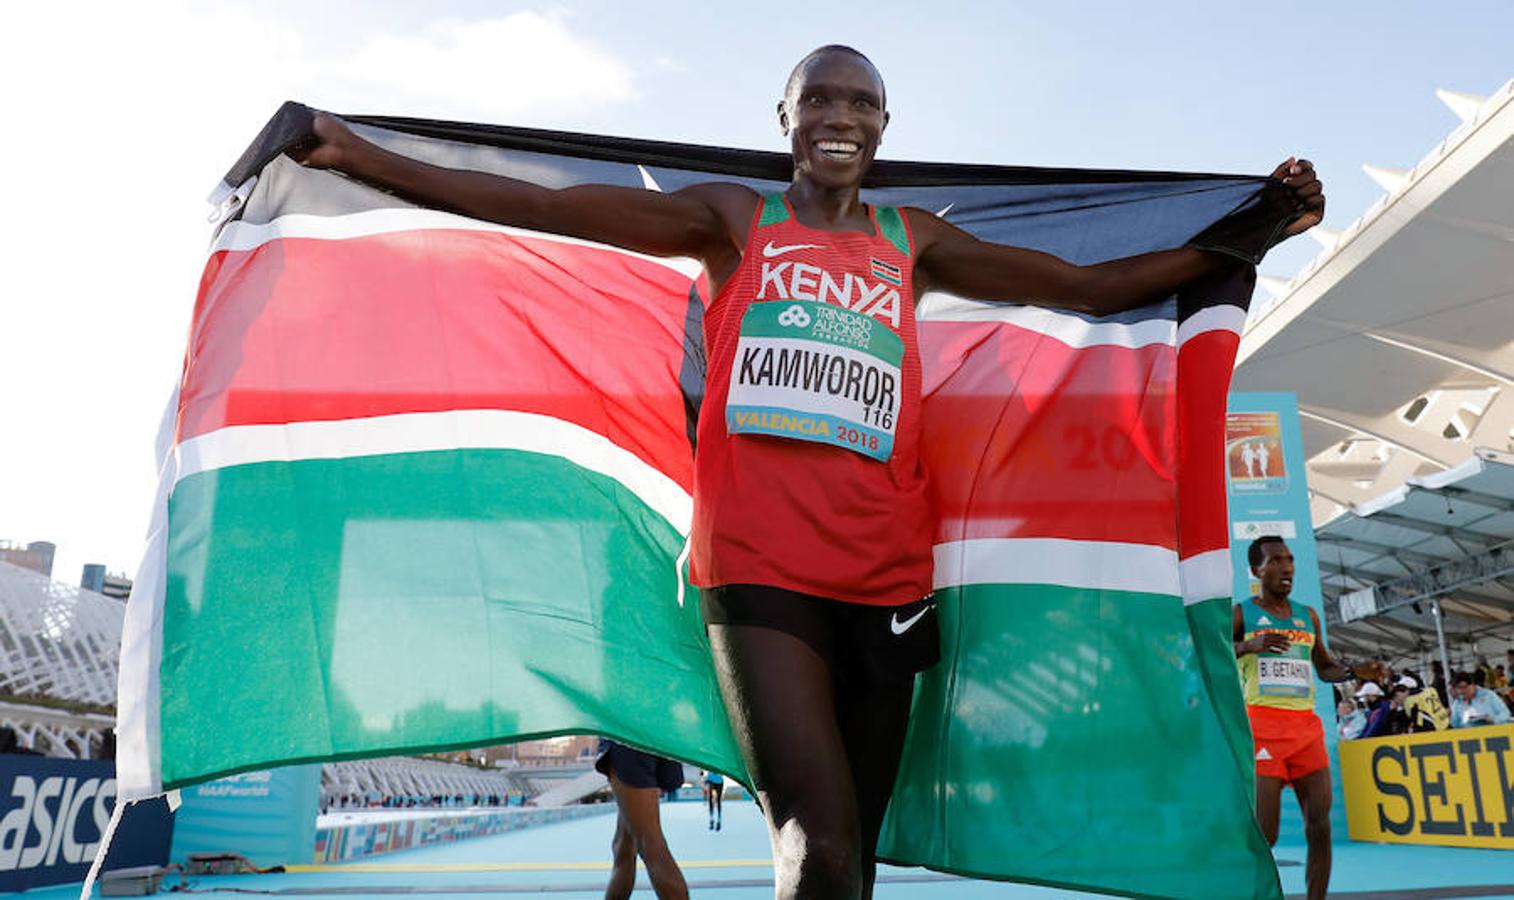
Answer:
x=1255 y=554
x=788 y=87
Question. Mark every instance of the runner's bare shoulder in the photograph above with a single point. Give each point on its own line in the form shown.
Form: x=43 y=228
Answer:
x=734 y=204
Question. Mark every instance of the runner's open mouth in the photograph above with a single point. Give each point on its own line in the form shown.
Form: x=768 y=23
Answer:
x=840 y=150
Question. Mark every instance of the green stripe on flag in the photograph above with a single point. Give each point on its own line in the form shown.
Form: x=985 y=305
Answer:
x=398 y=603
x=1091 y=703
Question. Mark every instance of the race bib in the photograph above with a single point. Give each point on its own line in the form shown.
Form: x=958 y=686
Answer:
x=1282 y=676
x=816 y=372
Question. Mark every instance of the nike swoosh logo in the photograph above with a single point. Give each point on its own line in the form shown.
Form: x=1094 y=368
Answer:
x=772 y=250
x=898 y=627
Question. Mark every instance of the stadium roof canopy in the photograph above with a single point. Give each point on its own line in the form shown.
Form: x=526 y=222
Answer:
x=1447 y=537
x=1399 y=338
x=1399 y=342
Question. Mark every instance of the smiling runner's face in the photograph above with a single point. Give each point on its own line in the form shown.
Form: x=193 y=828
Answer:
x=834 y=117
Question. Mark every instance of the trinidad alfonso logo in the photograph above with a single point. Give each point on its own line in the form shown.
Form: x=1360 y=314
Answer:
x=794 y=317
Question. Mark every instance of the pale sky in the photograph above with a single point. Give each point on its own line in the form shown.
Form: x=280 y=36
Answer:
x=122 y=117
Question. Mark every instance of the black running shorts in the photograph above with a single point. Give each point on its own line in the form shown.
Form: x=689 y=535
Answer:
x=637 y=769
x=859 y=642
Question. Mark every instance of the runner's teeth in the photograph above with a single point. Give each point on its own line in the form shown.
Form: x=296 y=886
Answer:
x=841 y=148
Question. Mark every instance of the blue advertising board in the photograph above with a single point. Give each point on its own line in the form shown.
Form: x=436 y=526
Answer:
x=267 y=816
x=1268 y=494
x=53 y=813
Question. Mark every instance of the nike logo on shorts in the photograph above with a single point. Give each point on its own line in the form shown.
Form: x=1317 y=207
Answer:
x=899 y=627
x=771 y=250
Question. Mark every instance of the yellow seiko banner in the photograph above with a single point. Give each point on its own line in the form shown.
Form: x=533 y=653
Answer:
x=1443 y=787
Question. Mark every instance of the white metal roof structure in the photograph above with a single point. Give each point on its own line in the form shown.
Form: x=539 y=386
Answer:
x=1399 y=342
x=1438 y=546
x=59 y=652
x=1399 y=338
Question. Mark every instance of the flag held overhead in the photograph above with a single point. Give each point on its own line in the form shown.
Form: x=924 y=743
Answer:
x=429 y=486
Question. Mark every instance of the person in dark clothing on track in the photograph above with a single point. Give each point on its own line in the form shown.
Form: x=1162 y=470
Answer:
x=714 y=793
x=638 y=780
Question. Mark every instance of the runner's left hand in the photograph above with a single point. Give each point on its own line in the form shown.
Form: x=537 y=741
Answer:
x=1308 y=193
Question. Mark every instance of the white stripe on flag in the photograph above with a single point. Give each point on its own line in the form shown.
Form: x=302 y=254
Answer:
x=1206 y=576
x=1212 y=318
x=1076 y=331
x=244 y=236
x=1089 y=565
x=463 y=429
x=1071 y=330
x=138 y=693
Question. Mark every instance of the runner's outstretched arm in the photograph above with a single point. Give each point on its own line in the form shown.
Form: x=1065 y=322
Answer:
x=1337 y=670
x=695 y=222
x=952 y=260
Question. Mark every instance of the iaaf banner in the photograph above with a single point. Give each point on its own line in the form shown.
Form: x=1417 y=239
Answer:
x=53 y=813
x=426 y=484
x=267 y=816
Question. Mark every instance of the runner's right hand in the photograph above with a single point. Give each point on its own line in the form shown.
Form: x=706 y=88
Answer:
x=332 y=145
x=1268 y=642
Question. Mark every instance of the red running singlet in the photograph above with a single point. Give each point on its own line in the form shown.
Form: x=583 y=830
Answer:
x=807 y=474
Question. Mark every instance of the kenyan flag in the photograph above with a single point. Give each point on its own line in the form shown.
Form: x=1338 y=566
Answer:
x=426 y=484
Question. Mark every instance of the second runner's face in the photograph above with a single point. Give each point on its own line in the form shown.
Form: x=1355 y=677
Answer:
x=834 y=118
x=1276 y=571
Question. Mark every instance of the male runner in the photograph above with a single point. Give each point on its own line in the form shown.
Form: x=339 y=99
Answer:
x=638 y=780
x=714 y=791
x=812 y=546
x=1276 y=644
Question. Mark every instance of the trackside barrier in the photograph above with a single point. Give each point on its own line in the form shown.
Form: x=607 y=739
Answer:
x=349 y=841
x=53 y=813
x=1454 y=788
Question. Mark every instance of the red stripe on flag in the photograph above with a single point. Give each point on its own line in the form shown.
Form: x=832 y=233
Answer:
x=426 y=321
x=1032 y=438
x=1205 y=363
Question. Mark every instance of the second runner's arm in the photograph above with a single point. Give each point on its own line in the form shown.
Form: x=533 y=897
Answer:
x=1337 y=670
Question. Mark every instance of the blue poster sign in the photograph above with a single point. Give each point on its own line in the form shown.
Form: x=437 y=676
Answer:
x=1267 y=490
x=53 y=813
x=1268 y=494
x=267 y=816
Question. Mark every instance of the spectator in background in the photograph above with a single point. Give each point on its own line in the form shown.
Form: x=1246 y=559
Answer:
x=1438 y=681
x=1472 y=705
x=1423 y=710
x=1379 y=710
x=1398 y=701
x=1500 y=678
x=1352 y=721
